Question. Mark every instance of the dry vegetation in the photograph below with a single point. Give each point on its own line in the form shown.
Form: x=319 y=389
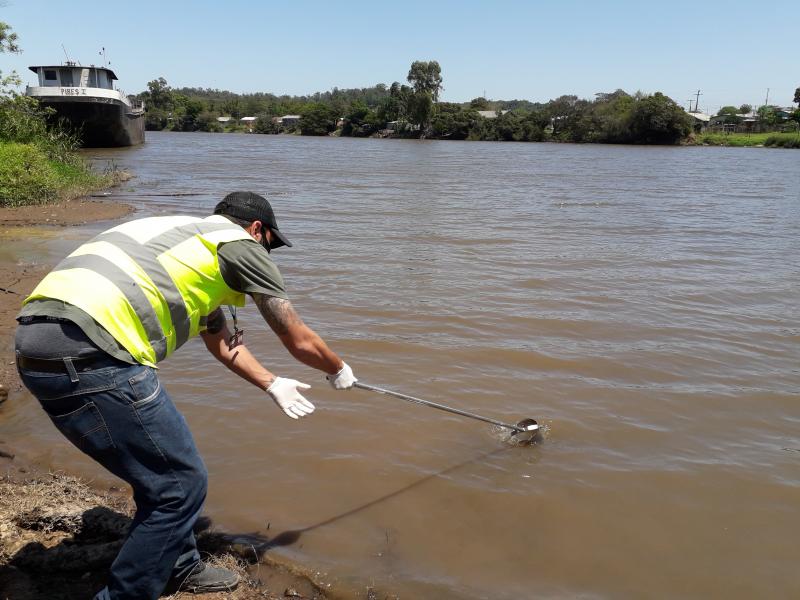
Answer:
x=58 y=537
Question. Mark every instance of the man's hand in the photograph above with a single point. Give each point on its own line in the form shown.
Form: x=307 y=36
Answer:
x=343 y=379
x=284 y=392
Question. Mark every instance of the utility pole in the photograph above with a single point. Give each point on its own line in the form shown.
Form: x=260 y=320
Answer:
x=697 y=100
x=766 y=102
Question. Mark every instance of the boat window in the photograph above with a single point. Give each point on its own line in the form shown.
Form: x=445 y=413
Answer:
x=66 y=77
x=92 y=78
x=49 y=75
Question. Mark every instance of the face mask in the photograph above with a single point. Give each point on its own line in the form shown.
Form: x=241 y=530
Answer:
x=264 y=239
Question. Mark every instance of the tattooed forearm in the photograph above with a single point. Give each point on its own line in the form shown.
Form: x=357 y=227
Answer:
x=277 y=312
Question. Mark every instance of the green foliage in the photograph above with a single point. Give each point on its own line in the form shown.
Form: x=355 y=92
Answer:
x=265 y=124
x=657 y=119
x=155 y=119
x=8 y=39
x=159 y=95
x=768 y=115
x=26 y=175
x=745 y=109
x=420 y=110
x=480 y=103
x=318 y=119
x=29 y=176
x=730 y=115
x=566 y=114
x=425 y=78
x=23 y=120
x=361 y=121
x=453 y=121
x=613 y=117
x=783 y=141
x=747 y=139
x=797 y=96
x=189 y=109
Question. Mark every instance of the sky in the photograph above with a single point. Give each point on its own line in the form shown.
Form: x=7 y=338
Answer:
x=538 y=50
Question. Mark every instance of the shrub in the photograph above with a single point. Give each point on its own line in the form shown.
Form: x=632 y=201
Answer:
x=22 y=120
x=783 y=141
x=26 y=175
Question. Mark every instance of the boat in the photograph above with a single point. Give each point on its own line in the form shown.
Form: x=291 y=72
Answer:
x=87 y=99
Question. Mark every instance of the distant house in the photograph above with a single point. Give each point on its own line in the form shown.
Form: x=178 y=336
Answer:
x=223 y=119
x=248 y=122
x=490 y=114
x=400 y=126
x=699 y=120
x=287 y=120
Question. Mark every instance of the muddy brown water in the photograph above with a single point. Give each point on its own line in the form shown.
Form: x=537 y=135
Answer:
x=642 y=303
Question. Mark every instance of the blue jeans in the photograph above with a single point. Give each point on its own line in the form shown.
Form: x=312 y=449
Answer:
x=121 y=416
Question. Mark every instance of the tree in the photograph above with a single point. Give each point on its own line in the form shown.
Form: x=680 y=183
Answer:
x=533 y=125
x=159 y=95
x=730 y=115
x=426 y=77
x=420 y=111
x=480 y=103
x=396 y=106
x=657 y=119
x=317 y=119
x=608 y=118
x=745 y=109
x=797 y=96
x=8 y=43
x=767 y=115
x=8 y=39
x=453 y=122
x=564 y=112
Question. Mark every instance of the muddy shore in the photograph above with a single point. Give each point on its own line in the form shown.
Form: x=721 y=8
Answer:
x=59 y=535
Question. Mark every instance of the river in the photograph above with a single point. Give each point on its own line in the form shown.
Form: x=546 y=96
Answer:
x=640 y=302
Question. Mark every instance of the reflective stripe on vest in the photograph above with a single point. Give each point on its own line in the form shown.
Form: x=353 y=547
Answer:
x=151 y=283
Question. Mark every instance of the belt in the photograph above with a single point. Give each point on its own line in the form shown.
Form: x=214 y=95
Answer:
x=59 y=365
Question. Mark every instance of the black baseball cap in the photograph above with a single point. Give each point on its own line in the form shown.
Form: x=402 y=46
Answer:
x=252 y=207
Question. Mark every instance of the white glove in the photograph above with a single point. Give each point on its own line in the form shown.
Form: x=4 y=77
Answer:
x=344 y=379
x=284 y=392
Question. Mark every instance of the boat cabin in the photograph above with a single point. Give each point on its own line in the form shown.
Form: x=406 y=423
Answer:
x=73 y=75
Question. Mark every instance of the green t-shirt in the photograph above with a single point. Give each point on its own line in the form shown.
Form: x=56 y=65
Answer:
x=245 y=265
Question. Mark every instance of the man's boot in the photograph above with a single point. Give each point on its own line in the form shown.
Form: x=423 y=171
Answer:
x=205 y=578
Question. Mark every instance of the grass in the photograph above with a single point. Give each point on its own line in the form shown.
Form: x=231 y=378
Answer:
x=29 y=176
x=786 y=140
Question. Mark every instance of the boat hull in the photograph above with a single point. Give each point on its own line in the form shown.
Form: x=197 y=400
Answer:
x=100 y=122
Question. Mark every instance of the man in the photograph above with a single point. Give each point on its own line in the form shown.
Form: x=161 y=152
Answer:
x=92 y=332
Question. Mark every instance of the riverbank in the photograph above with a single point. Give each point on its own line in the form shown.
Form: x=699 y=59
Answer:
x=59 y=536
x=30 y=177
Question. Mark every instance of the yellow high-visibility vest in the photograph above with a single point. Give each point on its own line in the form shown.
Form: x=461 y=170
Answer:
x=151 y=283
